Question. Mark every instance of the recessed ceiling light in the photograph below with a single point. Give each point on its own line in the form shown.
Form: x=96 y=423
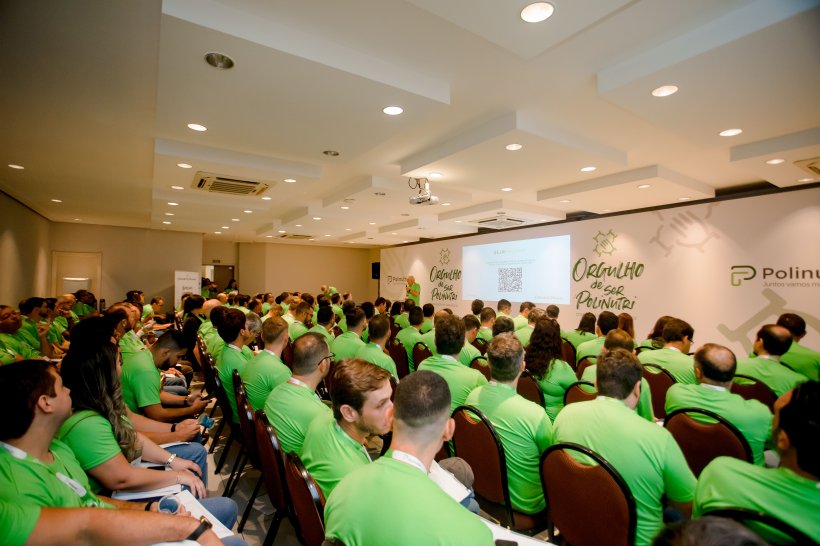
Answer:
x=644 y=186
x=269 y=236
x=171 y=203
x=731 y=132
x=184 y=165
x=405 y=241
x=513 y=147
x=282 y=231
x=169 y=214
x=683 y=198
x=327 y=234
x=506 y=189
x=347 y=229
x=225 y=227
x=234 y=219
x=289 y=180
x=458 y=221
x=537 y=12
x=78 y=219
x=445 y=204
x=805 y=179
x=298 y=225
x=588 y=169
x=15 y=166
x=607 y=210
x=56 y=200
x=167 y=223
x=311 y=239
x=435 y=175
x=394 y=233
x=217 y=233
x=247 y=211
x=317 y=217
x=664 y=90
x=372 y=223
x=267 y=198
x=345 y=208
x=197 y=127
x=393 y=110
x=219 y=60
x=564 y=201
x=775 y=161
x=330 y=153
x=177 y=188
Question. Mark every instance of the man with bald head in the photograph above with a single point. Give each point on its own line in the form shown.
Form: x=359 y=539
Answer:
x=771 y=343
x=714 y=368
x=413 y=290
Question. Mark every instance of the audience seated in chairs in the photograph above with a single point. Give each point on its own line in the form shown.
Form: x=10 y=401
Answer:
x=606 y=322
x=543 y=358
x=265 y=371
x=674 y=355
x=770 y=344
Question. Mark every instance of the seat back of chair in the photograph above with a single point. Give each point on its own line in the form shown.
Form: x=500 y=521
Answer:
x=480 y=363
x=480 y=344
x=287 y=355
x=245 y=416
x=476 y=441
x=399 y=356
x=701 y=442
x=583 y=365
x=420 y=352
x=577 y=393
x=394 y=329
x=271 y=461
x=568 y=353
x=222 y=399
x=659 y=382
x=746 y=516
x=529 y=389
x=307 y=501
x=752 y=389
x=337 y=331
x=590 y=503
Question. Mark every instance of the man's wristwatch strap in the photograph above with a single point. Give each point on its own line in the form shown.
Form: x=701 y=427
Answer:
x=204 y=525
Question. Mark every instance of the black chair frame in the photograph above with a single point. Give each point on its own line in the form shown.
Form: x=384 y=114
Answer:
x=742 y=515
x=722 y=420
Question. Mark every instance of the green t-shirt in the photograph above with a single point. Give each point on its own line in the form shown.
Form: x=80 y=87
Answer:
x=17 y=521
x=727 y=482
x=415 y=287
x=91 y=437
x=374 y=354
x=554 y=384
x=140 y=381
x=644 y=454
x=296 y=329
x=429 y=339
x=232 y=358
x=337 y=310
x=146 y=310
x=369 y=519
x=525 y=432
x=771 y=372
x=402 y=320
x=347 y=345
x=681 y=366
x=644 y=406
x=58 y=326
x=524 y=334
x=290 y=408
x=83 y=310
x=426 y=326
x=520 y=322
x=131 y=343
x=467 y=354
x=263 y=373
x=31 y=481
x=28 y=331
x=590 y=349
x=485 y=333
x=319 y=329
x=576 y=338
x=18 y=346
x=803 y=360
x=329 y=454
x=460 y=379
x=752 y=419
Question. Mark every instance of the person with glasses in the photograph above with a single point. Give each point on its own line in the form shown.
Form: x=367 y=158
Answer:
x=13 y=341
x=294 y=404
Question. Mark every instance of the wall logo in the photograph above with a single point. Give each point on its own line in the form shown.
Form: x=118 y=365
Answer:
x=685 y=229
x=604 y=243
x=444 y=256
x=742 y=273
x=607 y=288
x=444 y=279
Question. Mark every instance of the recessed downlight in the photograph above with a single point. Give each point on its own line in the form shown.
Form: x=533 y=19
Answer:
x=282 y=231
x=644 y=186
x=445 y=204
x=393 y=110
x=344 y=207
x=217 y=233
x=372 y=223
x=197 y=127
x=458 y=221
x=177 y=188
x=56 y=200
x=269 y=236
x=184 y=165
x=537 y=12
x=225 y=227
x=514 y=147
x=347 y=229
x=16 y=166
x=564 y=201
x=247 y=211
x=219 y=60
x=298 y=225
x=588 y=169
x=234 y=219
x=289 y=180
x=169 y=214
x=435 y=175
x=171 y=203
x=317 y=217
x=78 y=219
x=775 y=161
x=506 y=189
x=731 y=132
x=167 y=223
x=805 y=179
x=394 y=233
x=327 y=234
x=684 y=198
x=607 y=210
x=664 y=91
x=267 y=198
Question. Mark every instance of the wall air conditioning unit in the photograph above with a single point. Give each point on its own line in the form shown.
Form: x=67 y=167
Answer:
x=214 y=183
x=500 y=221
x=811 y=166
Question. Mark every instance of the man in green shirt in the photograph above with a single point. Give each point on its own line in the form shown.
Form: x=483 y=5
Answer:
x=607 y=321
x=403 y=319
x=266 y=371
x=715 y=367
x=86 y=304
x=325 y=319
x=335 y=446
x=449 y=342
x=302 y=313
x=411 y=335
x=522 y=426
x=350 y=343
x=14 y=343
x=504 y=308
x=64 y=320
x=790 y=493
x=428 y=310
x=523 y=318
x=503 y=324
x=644 y=454
x=468 y=352
x=413 y=290
x=294 y=404
x=487 y=318
x=373 y=352
x=772 y=341
x=674 y=355
x=236 y=354
x=524 y=333
x=32 y=311
x=210 y=332
x=799 y=358
x=421 y=422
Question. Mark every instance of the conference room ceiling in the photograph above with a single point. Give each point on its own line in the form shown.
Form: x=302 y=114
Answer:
x=96 y=97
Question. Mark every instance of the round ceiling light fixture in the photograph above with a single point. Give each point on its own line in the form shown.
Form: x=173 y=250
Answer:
x=393 y=110
x=588 y=169
x=537 y=12
x=197 y=127
x=184 y=165
x=219 y=60
x=775 y=161
x=15 y=166
x=514 y=147
x=731 y=132
x=664 y=91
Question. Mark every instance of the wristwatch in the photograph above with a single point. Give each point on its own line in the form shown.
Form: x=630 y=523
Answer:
x=204 y=525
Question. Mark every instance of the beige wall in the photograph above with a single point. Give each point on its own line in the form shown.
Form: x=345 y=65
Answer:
x=132 y=259
x=219 y=252
x=274 y=267
x=24 y=252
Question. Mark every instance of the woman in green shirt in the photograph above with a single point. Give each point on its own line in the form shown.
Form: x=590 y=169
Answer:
x=654 y=339
x=543 y=358
x=584 y=332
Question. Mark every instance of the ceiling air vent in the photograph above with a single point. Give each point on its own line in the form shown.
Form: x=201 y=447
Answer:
x=811 y=166
x=294 y=237
x=214 y=183
x=501 y=221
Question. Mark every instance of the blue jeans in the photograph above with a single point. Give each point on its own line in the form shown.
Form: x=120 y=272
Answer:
x=225 y=510
x=179 y=390
x=195 y=452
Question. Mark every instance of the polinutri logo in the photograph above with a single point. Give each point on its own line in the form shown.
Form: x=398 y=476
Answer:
x=742 y=273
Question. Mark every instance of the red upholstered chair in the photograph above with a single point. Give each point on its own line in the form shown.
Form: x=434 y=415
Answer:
x=476 y=441
x=399 y=356
x=273 y=472
x=287 y=355
x=659 y=382
x=583 y=365
x=752 y=389
x=701 y=442
x=420 y=352
x=529 y=389
x=568 y=353
x=588 y=501
x=480 y=363
x=337 y=331
x=307 y=501
x=575 y=392
x=480 y=344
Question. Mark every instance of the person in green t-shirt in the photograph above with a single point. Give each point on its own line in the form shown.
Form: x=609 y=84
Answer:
x=413 y=290
x=715 y=367
x=335 y=446
x=449 y=343
x=674 y=355
x=644 y=454
x=524 y=333
x=293 y=405
x=350 y=343
x=770 y=344
x=523 y=318
x=302 y=314
x=373 y=352
x=606 y=322
x=266 y=371
x=544 y=362
x=428 y=310
x=15 y=342
x=790 y=493
x=584 y=332
x=487 y=318
x=325 y=320
x=411 y=335
x=523 y=427
x=799 y=358
x=236 y=355
x=421 y=422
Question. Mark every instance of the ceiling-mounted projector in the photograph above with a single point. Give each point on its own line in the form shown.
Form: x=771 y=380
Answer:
x=425 y=196
x=423 y=199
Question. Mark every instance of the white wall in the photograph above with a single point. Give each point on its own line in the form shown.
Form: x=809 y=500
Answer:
x=24 y=252
x=687 y=255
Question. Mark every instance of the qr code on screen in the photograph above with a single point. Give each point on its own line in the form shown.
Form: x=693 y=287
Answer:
x=509 y=279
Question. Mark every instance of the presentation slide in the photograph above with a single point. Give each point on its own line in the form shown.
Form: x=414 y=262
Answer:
x=536 y=270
